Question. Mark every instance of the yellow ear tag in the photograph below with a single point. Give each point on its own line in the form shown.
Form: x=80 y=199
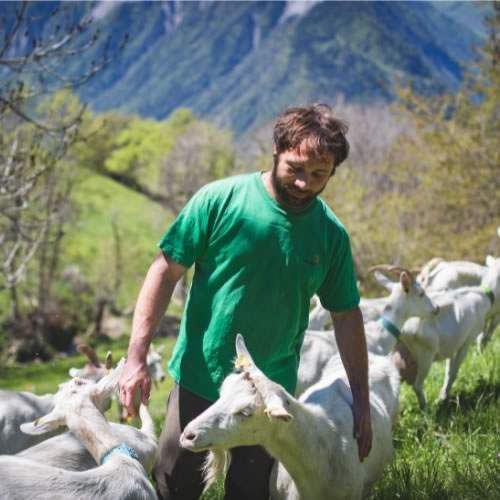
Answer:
x=35 y=422
x=107 y=372
x=270 y=409
x=128 y=419
x=241 y=361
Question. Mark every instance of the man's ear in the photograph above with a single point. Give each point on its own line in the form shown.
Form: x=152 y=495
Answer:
x=48 y=423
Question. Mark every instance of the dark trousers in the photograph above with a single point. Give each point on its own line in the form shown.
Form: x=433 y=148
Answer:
x=178 y=472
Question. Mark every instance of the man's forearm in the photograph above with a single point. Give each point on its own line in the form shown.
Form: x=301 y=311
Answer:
x=152 y=303
x=351 y=341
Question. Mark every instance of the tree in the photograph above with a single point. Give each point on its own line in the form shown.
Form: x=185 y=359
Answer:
x=201 y=154
x=433 y=190
x=38 y=127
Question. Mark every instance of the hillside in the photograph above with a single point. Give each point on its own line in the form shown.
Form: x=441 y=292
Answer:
x=239 y=63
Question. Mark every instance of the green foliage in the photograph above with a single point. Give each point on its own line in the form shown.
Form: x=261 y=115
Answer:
x=138 y=147
x=99 y=140
x=451 y=449
x=90 y=242
x=436 y=192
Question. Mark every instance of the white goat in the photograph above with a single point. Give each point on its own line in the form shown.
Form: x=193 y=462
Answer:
x=66 y=452
x=16 y=408
x=319 y=317
x=19 y=407
x=407 y=299
x=155 y=365
x=311 y=437
x=121 y=475
x=450 y=334
x=318 y=348
x=438 y=274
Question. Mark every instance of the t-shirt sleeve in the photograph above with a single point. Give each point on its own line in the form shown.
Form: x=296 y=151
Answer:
x=186 y=239
x=339 y=290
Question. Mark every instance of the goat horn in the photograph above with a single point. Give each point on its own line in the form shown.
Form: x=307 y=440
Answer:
x=380 y=267
x=391 y=269
x=426 y=270
x=109 y=360
x=89 y=352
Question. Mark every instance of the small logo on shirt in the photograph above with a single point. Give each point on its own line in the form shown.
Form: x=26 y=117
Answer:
x=314 y=261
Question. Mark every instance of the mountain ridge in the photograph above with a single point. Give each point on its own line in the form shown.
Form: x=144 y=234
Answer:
x=238 y=63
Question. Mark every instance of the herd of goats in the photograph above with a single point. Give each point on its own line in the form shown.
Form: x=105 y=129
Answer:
x=436 y=314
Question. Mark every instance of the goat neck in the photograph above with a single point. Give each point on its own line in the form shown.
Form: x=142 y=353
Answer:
x=93 y=431
x=308 y=427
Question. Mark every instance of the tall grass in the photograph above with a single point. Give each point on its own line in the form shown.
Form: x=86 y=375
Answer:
x=449 y=451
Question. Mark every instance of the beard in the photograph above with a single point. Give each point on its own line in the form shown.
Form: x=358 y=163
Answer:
x=285 y=192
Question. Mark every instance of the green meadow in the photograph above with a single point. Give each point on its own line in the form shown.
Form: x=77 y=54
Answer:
x=449 y=451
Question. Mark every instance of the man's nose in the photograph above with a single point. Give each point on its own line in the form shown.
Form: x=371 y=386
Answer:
x=301 y=181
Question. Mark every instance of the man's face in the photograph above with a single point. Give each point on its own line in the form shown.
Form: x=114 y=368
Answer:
x=299 y=175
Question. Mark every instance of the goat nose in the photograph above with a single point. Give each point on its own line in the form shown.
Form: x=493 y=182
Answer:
x=162 y=378
x=188 y=435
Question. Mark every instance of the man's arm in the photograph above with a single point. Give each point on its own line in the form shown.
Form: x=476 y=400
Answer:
x=151 y=305
x=351 y=341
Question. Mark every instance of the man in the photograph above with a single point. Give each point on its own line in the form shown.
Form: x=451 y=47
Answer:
x=263 y=244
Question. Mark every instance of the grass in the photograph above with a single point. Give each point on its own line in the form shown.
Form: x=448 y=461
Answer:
x=449 y=451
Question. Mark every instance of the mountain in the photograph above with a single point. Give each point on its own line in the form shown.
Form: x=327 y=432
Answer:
x=470 y=14
x=239 y=63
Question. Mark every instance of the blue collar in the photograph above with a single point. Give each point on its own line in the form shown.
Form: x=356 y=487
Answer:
x=391 y=327
x=489 y=293
x=123 y=449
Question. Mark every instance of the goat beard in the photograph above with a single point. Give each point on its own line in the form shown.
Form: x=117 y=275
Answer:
x=216 y=464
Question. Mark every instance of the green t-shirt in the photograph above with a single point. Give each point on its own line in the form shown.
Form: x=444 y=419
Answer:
x=257 y=265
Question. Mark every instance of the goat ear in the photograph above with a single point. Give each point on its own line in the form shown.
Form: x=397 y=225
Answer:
x=74 y=372
x=44 y=424
x=244 y=359
x=489 y=260
x=108 y=383
x=384 y=280
x=405 y=279
x=276 y=409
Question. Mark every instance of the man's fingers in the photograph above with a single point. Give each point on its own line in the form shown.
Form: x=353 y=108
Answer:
x=362 y=432
x=365 y=442
x=145 y=391
x=126 y=397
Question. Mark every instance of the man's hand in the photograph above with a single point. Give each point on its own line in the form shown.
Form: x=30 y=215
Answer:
x=362 y=430
x=350 y=336
x=135 y=386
